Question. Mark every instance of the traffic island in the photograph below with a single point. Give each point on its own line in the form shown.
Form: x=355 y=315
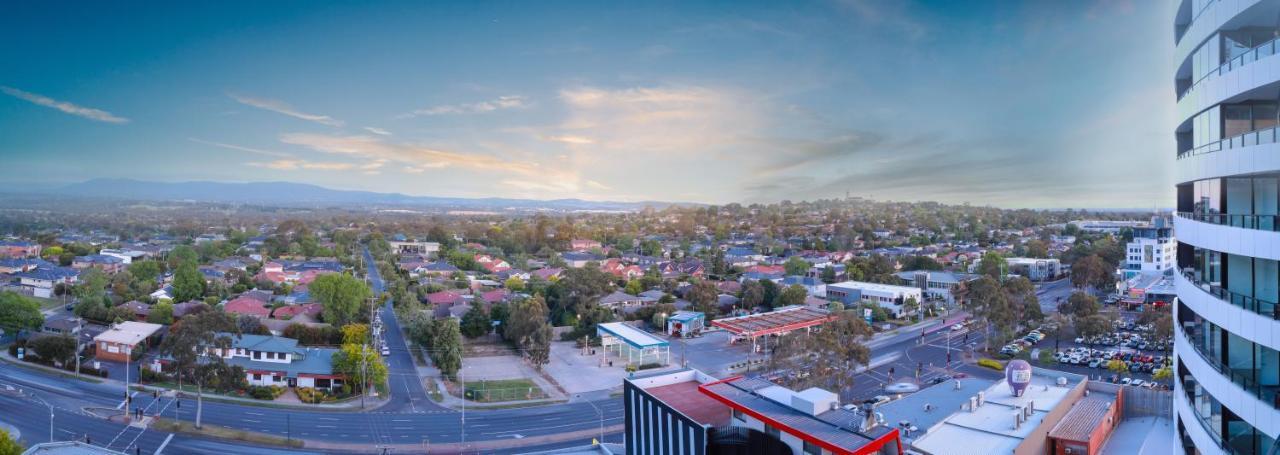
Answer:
x=215 y=431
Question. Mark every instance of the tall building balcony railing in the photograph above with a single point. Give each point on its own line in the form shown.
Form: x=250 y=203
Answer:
x=1257 y=222
x=1268 y=394
x=1254 y=54
x=1260 y=306
x=1255 y=137
x=1208 y=429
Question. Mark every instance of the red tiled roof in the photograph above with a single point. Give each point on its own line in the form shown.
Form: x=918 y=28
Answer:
x=246 y=305
x=310 y=309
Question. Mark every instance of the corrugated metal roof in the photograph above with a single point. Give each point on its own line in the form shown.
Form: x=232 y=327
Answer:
x=1082 y=419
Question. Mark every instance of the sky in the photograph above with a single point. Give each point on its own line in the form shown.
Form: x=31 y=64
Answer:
x=1047 y=104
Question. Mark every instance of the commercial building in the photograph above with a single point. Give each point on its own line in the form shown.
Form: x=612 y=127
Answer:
x=686 y=323
x=406 y=246
x=780 y=321
x=1227 y=74
x=1151 y=251
x=118 y=343
x=1034 y=269
x=938 y=285
x=69 y=448
x=887 y=296
x=688 y=412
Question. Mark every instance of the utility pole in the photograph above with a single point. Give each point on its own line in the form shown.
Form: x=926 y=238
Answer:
x=79 y=334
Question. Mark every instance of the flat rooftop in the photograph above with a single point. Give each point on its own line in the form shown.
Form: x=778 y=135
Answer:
x=635 y=337
x=129 y=332
x=875 y=287
x=943 y=399
x=1142 y=436
x=685 y=397
x=990 y=428
x=759 y=398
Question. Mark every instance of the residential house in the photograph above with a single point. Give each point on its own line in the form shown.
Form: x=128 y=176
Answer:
x=279 y=361
x=492 y=263
x=619 y=299
x=118 y=343
x=189 y=307
x=41 y=281
x=547 y=274
x=140 y=310
x=19 y=265
x=616 y=268
x=109 y=264
x=584 y=245
x=247 y=305
x=307 y=312
x=813 y=286
x=579 y=259
x=19 y=249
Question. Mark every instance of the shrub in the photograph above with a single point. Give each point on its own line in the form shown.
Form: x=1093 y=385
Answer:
x=266 y=393
x=650 y=365
x=991 y=363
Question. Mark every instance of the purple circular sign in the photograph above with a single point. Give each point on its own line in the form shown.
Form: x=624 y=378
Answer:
x=1018 y=375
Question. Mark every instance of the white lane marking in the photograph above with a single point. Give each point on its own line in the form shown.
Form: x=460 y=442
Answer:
x=160 y=449
x=325 y=426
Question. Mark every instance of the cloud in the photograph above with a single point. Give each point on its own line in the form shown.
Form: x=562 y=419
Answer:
x=290 y=165
x=501 y=102
x=598 y=185
x=281 y=107
x=240 y=148
x=378 y=131
x=417 y=156
x=676 y=118
x=70 y=108
x=568 y=139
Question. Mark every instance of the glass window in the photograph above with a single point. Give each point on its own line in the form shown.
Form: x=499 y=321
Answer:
x=1236 y=120
x=1264 y=115
x=812 y=448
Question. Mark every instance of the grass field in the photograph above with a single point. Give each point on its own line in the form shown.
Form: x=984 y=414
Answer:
x=503 y=390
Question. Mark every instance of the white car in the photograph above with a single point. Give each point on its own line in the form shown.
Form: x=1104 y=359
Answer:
x=1079 y=339
x=957 y=327
x=1137 y=383
x=1126 y=381
x=386 y=351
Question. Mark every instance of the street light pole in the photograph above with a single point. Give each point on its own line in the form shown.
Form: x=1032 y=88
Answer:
x=601 y=414
x=46 y=403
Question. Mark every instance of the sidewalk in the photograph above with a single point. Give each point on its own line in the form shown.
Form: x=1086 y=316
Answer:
x=347 y=405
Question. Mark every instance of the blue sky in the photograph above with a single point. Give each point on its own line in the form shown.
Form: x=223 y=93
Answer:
x=1037 y=104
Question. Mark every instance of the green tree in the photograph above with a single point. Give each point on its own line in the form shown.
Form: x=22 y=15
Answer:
x=828 y=275
x=476 y=322
x=1117 y=366
x=341 y=295
x=835 y=306
x=1079 y=305
x=769 y=292
x=792 y=295
x=1162 y=374
x=92 y=286
x=146 y=270
x=992 y=265
x=752 y=295
x=18 y=313
x=705 y=297
x=185 y=345
x=1036 y=248
x=1091 y=271
x=796 y=265
x=529 y=330
x=121 y=313
x=182 y=254
x=161 y=313
x=54 y=348
x=188 y=283
x=634 y=287
x=355 y=334
x=911 y=306
x=355 y=360
x=514 y=284
x=446 y=347
x=1093 y=326
x=9 y=445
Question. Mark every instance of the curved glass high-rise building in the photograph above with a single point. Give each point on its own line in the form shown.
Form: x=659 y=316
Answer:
x=1227 y=321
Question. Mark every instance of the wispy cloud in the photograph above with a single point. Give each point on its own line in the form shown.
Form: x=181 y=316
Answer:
x=568 y=139
x=70 y=108
x=378 y=131
x=241 y=148
x=294 y=164
x=501 y=102
x=281 y=107
x=409 y=154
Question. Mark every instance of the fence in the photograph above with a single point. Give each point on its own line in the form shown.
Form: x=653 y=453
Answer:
x=488 y=395
x=1142 y=402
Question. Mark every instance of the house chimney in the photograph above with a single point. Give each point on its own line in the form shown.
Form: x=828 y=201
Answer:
x=1017 y=420
x=982 y=398
x=1031 y=408
x=973 y=404
x=957 y=384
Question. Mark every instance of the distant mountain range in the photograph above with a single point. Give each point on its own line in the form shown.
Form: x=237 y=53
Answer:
x=301 y=194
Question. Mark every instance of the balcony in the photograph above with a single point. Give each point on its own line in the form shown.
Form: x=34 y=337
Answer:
x=1256 y=137
x=1206 y=440
x=1264 y=50
x=1259 y=307
x=1250 y=401
x=1243 y=235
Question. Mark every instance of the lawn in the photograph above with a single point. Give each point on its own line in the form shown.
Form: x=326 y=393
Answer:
x=47 y=304
x=503 y=390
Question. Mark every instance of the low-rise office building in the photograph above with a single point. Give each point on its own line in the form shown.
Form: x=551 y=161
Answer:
x=887 y=296
x=1034 y=269
x=118 y=343
x=279 y=361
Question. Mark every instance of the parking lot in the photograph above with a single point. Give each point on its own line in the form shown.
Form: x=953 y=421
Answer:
x=1130 y=344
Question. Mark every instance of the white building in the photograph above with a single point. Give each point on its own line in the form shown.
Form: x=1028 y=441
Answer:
x=1226 y=76
x=887 y=296
x=1152 y=250
x=279 y=361
x=1034 y=269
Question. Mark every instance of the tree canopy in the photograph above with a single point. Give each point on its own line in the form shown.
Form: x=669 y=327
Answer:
x=18 y=313
x=341 y=296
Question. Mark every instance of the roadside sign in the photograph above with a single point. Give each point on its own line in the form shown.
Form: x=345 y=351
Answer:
x=21 y=353
x=866 y=314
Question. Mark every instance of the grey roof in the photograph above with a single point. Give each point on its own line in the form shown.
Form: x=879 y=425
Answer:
x=836 y=427
x=264 y=343
x=939 y=276
x=68 y=448
x=618 y=297
x=943 y=398
x=305 y=361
